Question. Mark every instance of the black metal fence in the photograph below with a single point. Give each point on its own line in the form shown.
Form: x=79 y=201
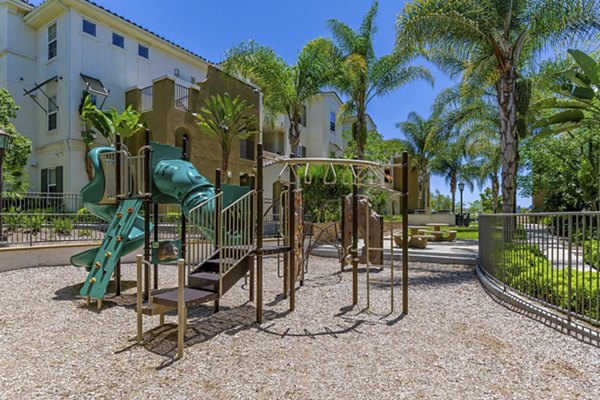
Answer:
x=47 y=202
x=553 y=258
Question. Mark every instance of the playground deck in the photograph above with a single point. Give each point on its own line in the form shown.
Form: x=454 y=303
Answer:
x=456 y=343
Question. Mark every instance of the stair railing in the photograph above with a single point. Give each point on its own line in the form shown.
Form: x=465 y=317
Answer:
x=201 y=241
x=236 y=233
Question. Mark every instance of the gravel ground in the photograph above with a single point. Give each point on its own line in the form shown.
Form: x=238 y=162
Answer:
x=455 y=343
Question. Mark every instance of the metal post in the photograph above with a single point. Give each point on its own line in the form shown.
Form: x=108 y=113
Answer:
x=259 y=233
x=404 y=190
x=218 y=231
x=181 y=310
x=138 y=304
x=292 y=238
x=1 y=195
x=118 y=171
x=354 y=251
x=185 y=155
x=147 y=201
x=156 y=222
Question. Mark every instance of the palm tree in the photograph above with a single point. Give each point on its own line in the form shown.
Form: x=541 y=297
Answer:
x=227 y=120
x=489 y=41
x=362 y=76
x=422 y=139
x=286 y=87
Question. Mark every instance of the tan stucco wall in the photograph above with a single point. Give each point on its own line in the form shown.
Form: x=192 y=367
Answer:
x=164 y=120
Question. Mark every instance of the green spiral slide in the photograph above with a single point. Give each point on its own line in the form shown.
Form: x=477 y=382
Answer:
x=173 y=181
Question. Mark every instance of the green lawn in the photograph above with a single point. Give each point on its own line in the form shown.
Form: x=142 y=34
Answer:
x=465 y=233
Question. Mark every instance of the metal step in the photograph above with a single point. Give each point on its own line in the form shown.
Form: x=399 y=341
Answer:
x=204 y=280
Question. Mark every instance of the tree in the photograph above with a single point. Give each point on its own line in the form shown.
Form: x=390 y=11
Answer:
x=286 y=87
x=577 y=98
x=15 y=159
x=376 y=147
x=440 y=201
x=362 y=76
x=489 y=42
x=107 y=123
x=422 y=139
x=227 y=120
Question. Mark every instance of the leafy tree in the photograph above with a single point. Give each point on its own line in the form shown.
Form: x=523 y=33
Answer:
x=286 y=87
x=488 y=201
x=376 y=148
x=15 y=159
x=440 y=201
x=577 y=98
x=489 y=42
x=362 y=76
x=107 y=123
x=227 y=120
x=321 y=196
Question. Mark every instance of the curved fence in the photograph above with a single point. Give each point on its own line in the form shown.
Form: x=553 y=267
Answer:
x=553 y=258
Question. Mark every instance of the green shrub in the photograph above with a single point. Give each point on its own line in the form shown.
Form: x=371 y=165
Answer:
x=14 y=219
x=591 y=253
x=83 y=211
x=530 y=272
x=34 y=222
x=62 y=226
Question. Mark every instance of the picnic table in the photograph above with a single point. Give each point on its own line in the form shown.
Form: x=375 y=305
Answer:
x=438 y=234
x=415 y=238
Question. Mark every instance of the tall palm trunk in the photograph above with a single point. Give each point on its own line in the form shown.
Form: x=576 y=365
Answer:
x=224 y=163
x=506 y=89
x=495 y=190
x=88 y=163
x=453 y=191
x=294 y=135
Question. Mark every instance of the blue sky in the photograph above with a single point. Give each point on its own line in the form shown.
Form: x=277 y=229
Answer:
x=209 y=28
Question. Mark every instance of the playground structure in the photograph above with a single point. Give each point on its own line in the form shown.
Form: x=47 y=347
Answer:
x=221 y=229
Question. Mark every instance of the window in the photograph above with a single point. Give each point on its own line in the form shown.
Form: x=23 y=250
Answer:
x=52 y=113
x=332 y=154
x=303 y=116
x=143 y=51
x=192 y=80
x=89 y=27
x=301 y=152
x=118 y=40
x=94 y=99
x=246 y=149
x=332 y=121
x=52 y=180
x=52 y=42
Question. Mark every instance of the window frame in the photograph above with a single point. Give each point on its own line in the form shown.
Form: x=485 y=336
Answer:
x=52 y=112
x=332 y=122
x=52 y=42
x=244 y=145
x=140 y=47
x=86 y=22
x=122 y=39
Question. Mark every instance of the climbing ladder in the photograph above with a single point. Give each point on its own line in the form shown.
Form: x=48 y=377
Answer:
x=109 y=253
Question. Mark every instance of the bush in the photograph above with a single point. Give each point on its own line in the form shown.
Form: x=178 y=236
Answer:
x=591 y=253
x=529 y=271
x=14 y=220
x=62 y=226
x=34 y=222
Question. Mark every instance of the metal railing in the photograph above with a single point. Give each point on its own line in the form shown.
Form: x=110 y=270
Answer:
x=553 y=258
x=147 y=95
x=182 y=97
x=56 y=202
x=236 y=233
x=200 y=237
x=271 y=218
x=29 y=229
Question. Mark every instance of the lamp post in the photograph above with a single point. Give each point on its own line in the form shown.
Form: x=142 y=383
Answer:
x=461 y=187
x=4 y=140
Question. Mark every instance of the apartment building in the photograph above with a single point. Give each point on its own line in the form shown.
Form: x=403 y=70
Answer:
x=322 y=135
x=53 y=54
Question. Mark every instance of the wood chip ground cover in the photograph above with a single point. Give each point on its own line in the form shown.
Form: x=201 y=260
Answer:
x=456 y=342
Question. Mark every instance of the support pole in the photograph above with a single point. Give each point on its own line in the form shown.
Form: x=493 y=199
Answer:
x=181 y=310
x=404 y=190
x=354 y=243
x=118 y=168
x=138 y=303
x=250 y=236
x=185 y=155
x=147 y=201
x=259 y=233
x=218 y=232
x=156 y=221
x=292 y=238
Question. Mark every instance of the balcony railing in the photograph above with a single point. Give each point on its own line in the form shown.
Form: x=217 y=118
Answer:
x=182 y=97
x=147 y=96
